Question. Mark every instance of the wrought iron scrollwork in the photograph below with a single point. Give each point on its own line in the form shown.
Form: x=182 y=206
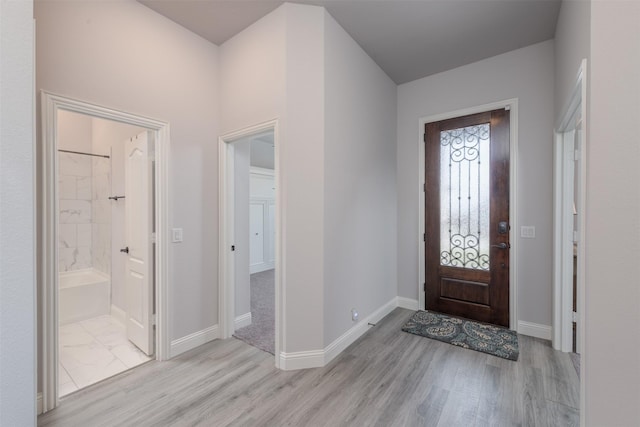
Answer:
x=462 y=146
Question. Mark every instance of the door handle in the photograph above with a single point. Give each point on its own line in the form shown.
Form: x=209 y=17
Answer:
x=502 y=246
x=125 y=250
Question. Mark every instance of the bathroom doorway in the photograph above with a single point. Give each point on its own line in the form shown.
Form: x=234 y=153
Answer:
x=99 y=163
x=104 y=252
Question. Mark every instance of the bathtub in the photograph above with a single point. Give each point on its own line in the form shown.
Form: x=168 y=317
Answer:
x=83 y=294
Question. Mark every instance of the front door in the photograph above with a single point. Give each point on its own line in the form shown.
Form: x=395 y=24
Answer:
x=467 y=217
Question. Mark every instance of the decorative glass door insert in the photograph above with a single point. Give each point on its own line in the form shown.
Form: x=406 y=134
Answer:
x=464 y=197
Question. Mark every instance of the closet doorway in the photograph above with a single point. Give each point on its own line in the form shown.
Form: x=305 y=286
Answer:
x=104 y=253
x=251 y=290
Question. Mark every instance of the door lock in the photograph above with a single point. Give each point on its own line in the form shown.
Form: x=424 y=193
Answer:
x=125 y=250
x=503 y=227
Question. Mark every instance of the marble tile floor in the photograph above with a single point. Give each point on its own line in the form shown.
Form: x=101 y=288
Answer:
x=92 y=350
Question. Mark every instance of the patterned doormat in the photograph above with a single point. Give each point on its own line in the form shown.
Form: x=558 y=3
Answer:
x=490 y=339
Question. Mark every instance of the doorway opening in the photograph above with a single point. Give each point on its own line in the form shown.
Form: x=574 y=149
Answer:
x=250 y=201
x=507 y=242
x=254 y=203
x=569 y=224
x=103 y=232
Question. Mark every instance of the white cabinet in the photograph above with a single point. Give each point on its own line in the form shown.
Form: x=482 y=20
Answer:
x=262 y=230
x=256 y=233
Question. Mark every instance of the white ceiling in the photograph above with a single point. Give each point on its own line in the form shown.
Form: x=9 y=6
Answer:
x=409 y=39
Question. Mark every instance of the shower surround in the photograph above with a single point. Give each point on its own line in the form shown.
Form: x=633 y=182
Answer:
x=84 y=229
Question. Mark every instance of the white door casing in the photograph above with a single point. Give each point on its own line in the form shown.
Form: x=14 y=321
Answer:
x=48 y=346
x=569 y=194
x=139 y=264
x=226 y=253
x=573 y=118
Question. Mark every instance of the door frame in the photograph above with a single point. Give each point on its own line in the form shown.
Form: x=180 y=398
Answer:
x=562 y=264
x=226 y=231
x=512 y=105
x=50 y=105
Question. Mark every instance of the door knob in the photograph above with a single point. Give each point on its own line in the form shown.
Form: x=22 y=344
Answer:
x=125 y=250
x=502 y=246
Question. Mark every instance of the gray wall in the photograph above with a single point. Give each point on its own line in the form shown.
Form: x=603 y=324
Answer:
x=359 y=183
x=612 y=342
x=303 y=172
x=338 y=175
x=573 y=32
x=17 y=210
x=152 y=67
x=274 y=69
x=526 y=74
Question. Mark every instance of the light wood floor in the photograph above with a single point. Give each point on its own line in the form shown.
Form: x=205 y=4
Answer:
x=386 y=378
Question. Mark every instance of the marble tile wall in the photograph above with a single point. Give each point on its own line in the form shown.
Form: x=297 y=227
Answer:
x=101 y=209
x=75 y=212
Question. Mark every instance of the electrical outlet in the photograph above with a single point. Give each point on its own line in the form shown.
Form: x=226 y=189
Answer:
x=354 y=315
x=528 y=232
x=176 y=235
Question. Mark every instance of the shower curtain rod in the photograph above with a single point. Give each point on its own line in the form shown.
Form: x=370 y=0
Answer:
x=84 y=154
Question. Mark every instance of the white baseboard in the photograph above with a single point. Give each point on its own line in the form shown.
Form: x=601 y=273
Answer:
x=119 y=314
x=242 y=321
x=408 y=303
x=356 y=331
x=319 y=358
x=301 y=360
x=194 y=340
x=534 y=330
x=39 y=403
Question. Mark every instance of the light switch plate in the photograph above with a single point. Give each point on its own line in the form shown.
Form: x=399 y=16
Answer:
x=528 y=231
x=176 y=235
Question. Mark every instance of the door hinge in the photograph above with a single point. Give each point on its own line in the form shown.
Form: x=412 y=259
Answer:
x=424 y=187
x=574 y=317
x=424 y=237
x=153 y=237
x=233 y=248
x=576 y=155
x=424 y=139
x=153 y=319
x=424 y=286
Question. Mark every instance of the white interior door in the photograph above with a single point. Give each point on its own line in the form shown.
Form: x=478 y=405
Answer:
x=256 y=234
x=568 y=238
x=577 y=195
x=139 y=265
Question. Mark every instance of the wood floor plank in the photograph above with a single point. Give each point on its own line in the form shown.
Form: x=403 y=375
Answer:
x=386 y=378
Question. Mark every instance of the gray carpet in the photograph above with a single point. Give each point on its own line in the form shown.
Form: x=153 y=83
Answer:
x=261 y=332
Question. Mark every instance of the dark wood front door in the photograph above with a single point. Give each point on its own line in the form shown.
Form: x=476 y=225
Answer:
x=467 y=217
